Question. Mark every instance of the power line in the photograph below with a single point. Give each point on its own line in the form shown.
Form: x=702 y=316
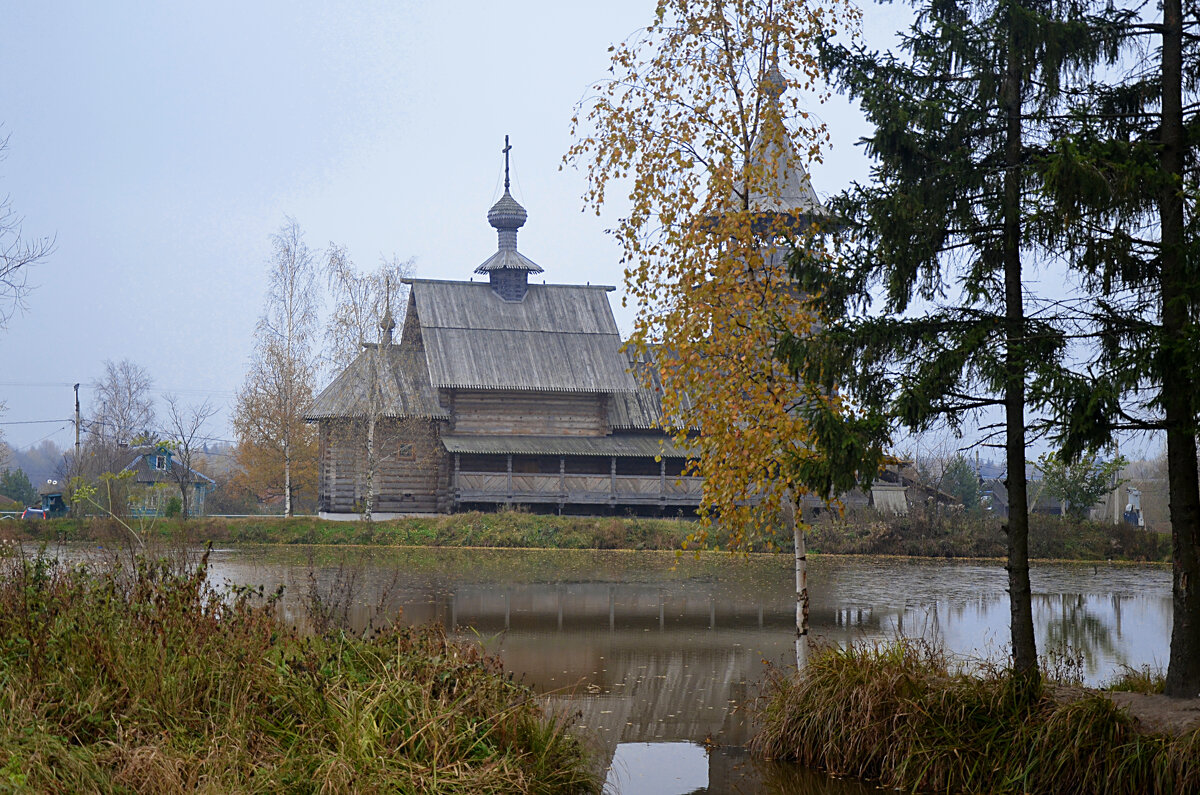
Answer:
x=31 y=422
x=44 y=438
x=162 y=390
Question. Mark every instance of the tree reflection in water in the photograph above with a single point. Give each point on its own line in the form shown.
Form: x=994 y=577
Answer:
x=663 y=653
x=1073 y=632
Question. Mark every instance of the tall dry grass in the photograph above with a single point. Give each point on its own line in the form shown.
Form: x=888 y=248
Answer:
x=153 y=681
x=900 y=715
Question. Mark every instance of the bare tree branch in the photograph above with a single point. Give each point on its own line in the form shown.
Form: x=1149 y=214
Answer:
x=17 y=255
x=184 y=426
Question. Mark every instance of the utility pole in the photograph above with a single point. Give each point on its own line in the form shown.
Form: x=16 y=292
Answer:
x=77 y=427
x=1116 y=492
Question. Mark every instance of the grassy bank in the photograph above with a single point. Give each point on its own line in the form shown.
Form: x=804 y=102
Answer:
x=503 y=529
x=151 y=681
x=957 y=535
x=919 y=534
x=898 y=715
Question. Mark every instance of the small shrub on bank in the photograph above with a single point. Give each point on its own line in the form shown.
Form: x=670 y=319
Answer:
x=899 y=715
x=151 y=681
x=1139 y=680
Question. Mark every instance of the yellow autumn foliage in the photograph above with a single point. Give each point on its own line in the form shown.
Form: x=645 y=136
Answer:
x=701 y=120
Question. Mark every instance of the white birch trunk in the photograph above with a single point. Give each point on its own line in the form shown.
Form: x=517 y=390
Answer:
x=369 y=503
x=287 y=483
x=790 y=510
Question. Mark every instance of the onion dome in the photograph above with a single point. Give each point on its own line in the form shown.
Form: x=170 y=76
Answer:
x=508 y=269
x=507 y=213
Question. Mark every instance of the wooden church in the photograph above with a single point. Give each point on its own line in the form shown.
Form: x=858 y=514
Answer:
x=499 y=392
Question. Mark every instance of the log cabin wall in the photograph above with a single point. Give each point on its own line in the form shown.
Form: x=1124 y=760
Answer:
x=411 y=472
x=521 y=413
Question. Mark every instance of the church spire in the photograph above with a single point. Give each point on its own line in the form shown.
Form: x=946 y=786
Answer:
x=387 y=324
x=507 y=269
x=782 y=186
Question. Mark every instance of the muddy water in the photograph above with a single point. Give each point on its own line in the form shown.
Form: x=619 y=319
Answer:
x=658 y=656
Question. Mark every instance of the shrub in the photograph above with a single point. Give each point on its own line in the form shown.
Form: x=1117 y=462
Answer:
x=146 y=679
x=898 y=714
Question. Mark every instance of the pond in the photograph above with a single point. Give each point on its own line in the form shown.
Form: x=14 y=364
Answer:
x=658 y=656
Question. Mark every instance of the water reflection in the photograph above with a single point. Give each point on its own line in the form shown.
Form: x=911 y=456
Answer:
x=658 y=658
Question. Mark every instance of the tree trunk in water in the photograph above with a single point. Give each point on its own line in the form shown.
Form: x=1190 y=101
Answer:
x=1183 y=671
x=1019 y=596
x=790 y=510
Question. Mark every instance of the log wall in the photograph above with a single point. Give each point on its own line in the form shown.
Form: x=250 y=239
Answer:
x=411 y=472
x=528 y=413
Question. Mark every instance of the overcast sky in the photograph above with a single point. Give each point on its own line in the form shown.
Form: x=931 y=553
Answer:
x=163 y=143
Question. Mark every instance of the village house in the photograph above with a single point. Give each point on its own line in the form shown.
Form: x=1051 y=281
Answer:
x=156 y=476
x=499 y=392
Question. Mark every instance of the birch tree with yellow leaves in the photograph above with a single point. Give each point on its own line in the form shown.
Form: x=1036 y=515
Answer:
x=704 y=120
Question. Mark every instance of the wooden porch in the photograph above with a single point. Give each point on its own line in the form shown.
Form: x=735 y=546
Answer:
x=572 y=488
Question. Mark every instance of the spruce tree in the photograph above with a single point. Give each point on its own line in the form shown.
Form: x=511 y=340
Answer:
x=943 y=230
x=1123 y=183
x=15 y=485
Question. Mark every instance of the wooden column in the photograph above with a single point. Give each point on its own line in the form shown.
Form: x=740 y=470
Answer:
x=562 y=479
x=662 y=479
x=613 y=479
x=455 y=489
x=510 y=493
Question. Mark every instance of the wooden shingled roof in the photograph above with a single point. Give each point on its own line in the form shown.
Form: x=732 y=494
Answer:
x=641 y=409
x=404 y=382
x=558 y=338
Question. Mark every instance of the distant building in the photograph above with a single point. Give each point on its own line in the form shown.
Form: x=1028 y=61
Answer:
x=51 y=494
x=499 y=393
x=156 y=477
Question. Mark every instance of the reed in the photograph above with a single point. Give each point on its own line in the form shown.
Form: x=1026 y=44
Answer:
x=1139 y=680
x=153 y=681
x=899 y=714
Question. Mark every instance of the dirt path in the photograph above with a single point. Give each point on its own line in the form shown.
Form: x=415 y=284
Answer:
x=1159 y=714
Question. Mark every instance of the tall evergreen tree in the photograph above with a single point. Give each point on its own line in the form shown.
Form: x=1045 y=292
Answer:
x=943 y=230
x=1124 y=182
x=15 y=485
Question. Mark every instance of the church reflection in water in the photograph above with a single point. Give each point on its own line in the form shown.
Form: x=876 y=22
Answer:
x=658 y=660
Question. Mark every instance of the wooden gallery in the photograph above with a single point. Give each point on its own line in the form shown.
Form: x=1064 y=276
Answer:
x=498 y=393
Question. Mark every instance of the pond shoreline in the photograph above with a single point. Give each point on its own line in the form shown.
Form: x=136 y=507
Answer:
x=656 y=636
x=901 y=715
x=957 y=537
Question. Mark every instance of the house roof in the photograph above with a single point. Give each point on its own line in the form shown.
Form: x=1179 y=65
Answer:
x=1042 y=501
x=630 y=445
x=139 y=464
x=404 y=383
x=557 y=338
